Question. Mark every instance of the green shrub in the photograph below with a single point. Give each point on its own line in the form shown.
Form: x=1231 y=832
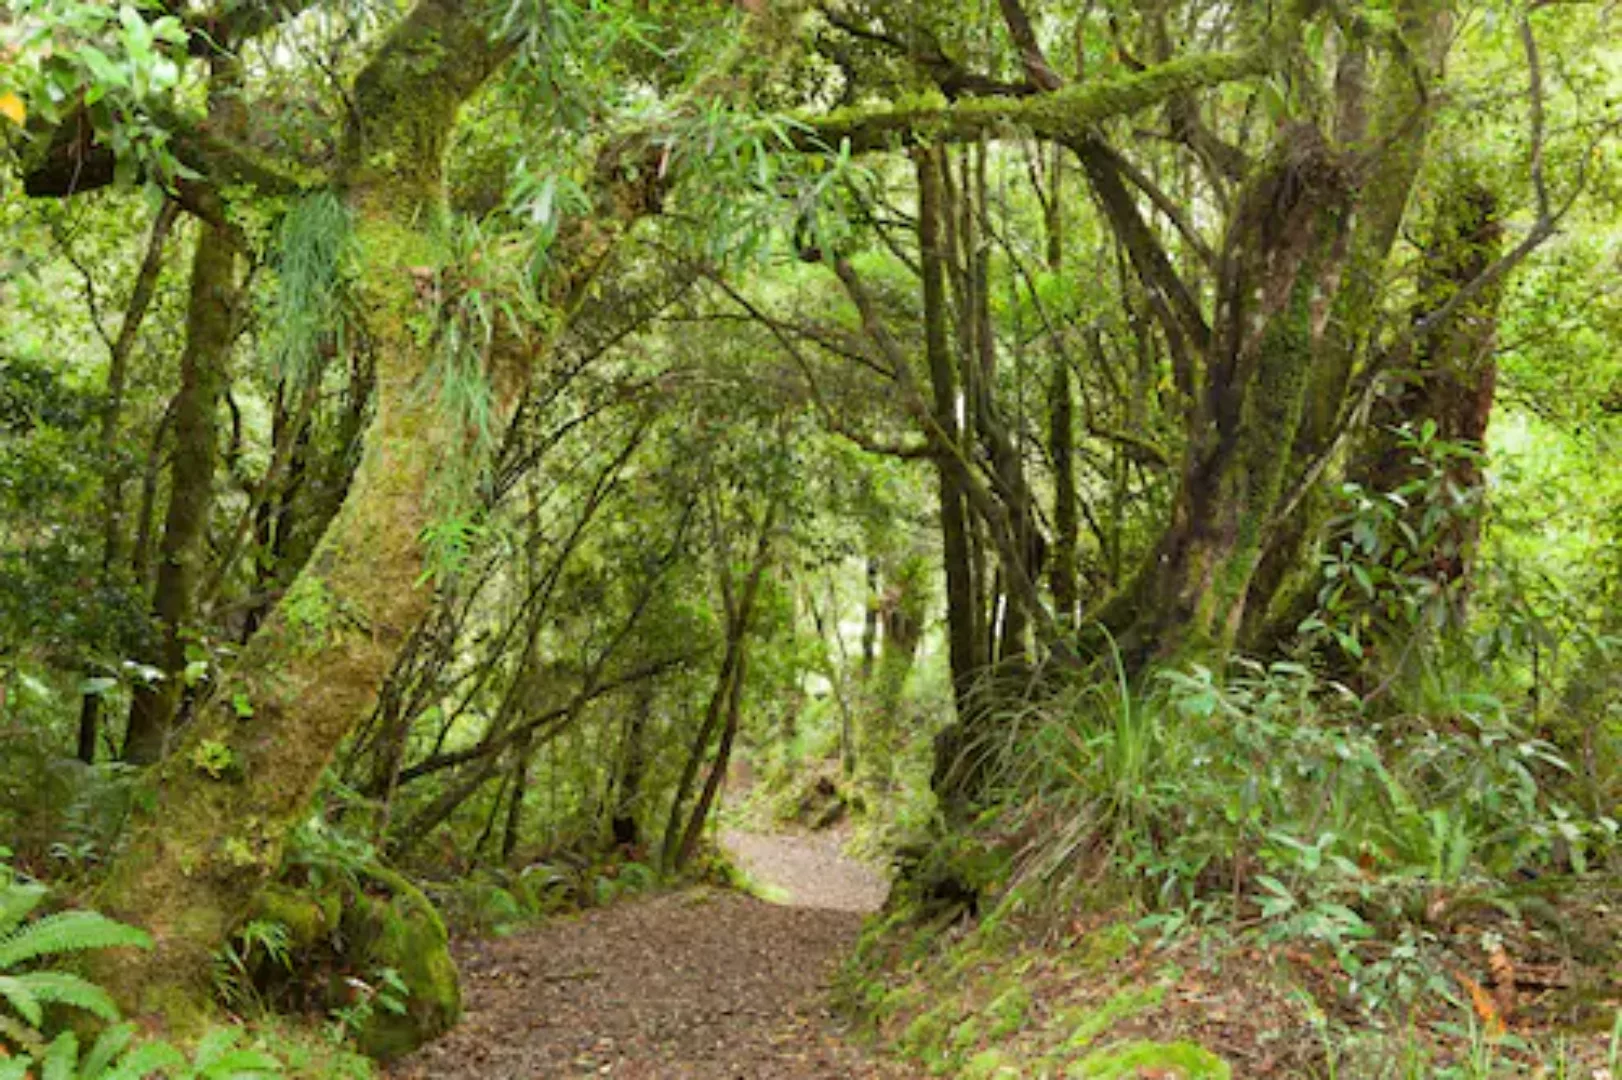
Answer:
x=1285 y=802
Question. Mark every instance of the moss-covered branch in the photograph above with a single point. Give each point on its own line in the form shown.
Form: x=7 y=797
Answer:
x=71 y=159
x=1065 y=114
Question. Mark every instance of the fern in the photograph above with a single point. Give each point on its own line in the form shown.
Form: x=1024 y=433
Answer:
x=27 y=994
x=114 y=1055
x=25 y=943
x=65 y=932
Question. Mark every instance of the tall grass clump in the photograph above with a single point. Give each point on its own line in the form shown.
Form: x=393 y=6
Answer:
x=1289 y=809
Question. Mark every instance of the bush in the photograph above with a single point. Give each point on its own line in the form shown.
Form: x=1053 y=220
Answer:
x=1295 y=808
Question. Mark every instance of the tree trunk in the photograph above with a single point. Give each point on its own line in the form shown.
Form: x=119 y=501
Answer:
x=1388 y=122
x=112 y=465
x=718 y=768
x=1282 y=257
x=1066 y=516
x=628 y=792
x=723 y=700
x=210 y=328
x=1451 y=383
x=513 y=830
x=213 y=835
x=965 y=631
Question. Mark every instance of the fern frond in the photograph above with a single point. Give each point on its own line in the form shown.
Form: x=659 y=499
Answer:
x=19 y=1035
x=61 y=1058
x=108 y=1046
x=244 y=1064
x=17 y=993
x=61 y=988
x=65 y=932
x=214 y=1045
x=17 y=902
x=149 y=1058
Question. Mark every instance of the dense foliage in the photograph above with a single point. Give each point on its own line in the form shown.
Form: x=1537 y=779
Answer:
x=1142 y=459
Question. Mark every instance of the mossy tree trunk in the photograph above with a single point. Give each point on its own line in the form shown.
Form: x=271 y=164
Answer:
x=211 y=325
x=1383 y=110
x=967 y=646
x=223 y=804
x=1450 y=384
x=1282 y=258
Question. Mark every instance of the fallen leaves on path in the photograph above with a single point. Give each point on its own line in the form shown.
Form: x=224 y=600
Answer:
x=704 y=984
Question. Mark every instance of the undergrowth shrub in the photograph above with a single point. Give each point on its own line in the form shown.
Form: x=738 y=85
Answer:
x=1294 y=810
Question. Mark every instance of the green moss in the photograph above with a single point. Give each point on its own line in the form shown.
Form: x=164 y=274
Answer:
x=405 y=934
x=1065 y=114
x=927 y=1031
x=988 y=1064
x=309 y=609
x=1102 y=948
x=1179 y=1060
x=1009 y=1011
x=309 y=918
x=1088 y=1024
x=967 y=1034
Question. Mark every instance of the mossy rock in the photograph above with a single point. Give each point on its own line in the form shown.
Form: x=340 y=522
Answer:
x=310 y=918
x=1182 y=1060
x=404 y=933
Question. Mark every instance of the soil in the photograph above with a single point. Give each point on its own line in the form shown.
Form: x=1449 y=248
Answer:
x=808 y=870
x=703 y=984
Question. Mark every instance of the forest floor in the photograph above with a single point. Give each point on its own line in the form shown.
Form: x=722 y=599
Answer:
x=703 y=983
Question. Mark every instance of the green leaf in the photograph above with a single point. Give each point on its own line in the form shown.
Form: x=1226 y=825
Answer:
x=65 y=932
x=62 y=1059
x=108 y=1046
x=22 y=1000
x=62 y=988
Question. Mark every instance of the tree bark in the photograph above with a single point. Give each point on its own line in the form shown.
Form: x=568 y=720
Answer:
x=211 y=326
x=966 y=639
x=1451 y=383
x=113 y=469
x=1282 y=257
x=213 y=835
x=723 y=704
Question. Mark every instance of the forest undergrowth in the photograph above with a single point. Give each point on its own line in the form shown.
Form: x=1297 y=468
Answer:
x=1264 y=875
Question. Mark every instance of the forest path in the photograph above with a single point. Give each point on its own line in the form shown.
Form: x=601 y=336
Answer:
x=703 y=984
x=809 y=870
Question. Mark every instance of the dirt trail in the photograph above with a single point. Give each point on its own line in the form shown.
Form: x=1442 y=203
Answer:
x=807 y=870
x=702 y=985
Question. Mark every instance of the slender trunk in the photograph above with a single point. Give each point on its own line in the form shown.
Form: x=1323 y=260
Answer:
x=870 y=621
x=513 y=830
x=1066 y=516
x=718 y=769
x=628 y=794
x=211 y=323
x=740 y=614
x=964 y=620
x=112 y=466
x=145 y=517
